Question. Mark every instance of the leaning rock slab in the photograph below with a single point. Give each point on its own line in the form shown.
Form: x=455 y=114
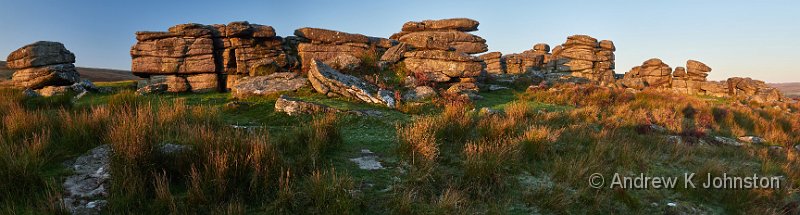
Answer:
x=332 y=83
x=268 y=85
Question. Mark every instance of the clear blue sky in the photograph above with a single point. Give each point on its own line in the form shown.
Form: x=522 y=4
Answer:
x=736 y=38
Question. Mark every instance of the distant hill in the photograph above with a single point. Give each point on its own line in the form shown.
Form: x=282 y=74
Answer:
x=93 y=74
x=789 y=89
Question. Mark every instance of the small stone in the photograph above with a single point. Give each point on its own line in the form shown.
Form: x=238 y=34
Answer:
x=752 y=139
x=293 y=106
x=727 y=141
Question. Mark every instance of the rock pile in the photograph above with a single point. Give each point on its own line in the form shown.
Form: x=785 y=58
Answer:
x=332 y=83
x=527 y=61
x=342 y=51
x=191 y=57
x=42 y=64
x=440 y=51
x=653 y=73
x=583 y=56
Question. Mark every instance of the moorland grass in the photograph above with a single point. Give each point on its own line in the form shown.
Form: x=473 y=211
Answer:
x=533 y=155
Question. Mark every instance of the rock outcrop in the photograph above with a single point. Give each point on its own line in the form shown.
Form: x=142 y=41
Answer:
x=268 y=85
x=42 y=64
x=206 y=55
x=439 y=51
x=583 y=56
x=655 y=74
x=332 y=83
x=754 y=90
x=340 y=50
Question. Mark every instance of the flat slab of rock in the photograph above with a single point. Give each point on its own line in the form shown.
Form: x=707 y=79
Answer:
x=86 y=189
x=330 y=36
x=268 y=85
x=459 y=24
x=367 y=161
x=332 y=83
x=294 y=106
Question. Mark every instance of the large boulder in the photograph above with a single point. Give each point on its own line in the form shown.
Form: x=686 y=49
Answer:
x=332 y=83
x=696 y=71
x=42 y=64
x=41 y=53
x=268 y=85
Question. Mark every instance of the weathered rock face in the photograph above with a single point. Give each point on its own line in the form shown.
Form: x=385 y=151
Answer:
x=584 y=57
x=184 y=49
x=332 y=83
x=395 y=53
x=653 y=73
x=293 y=106
x=252 y=49
x=341 y=50
x=442 y=66
x=202 y=83
x=188 y=50
x=42 y=64
x=493 y=63
x=268 y=85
